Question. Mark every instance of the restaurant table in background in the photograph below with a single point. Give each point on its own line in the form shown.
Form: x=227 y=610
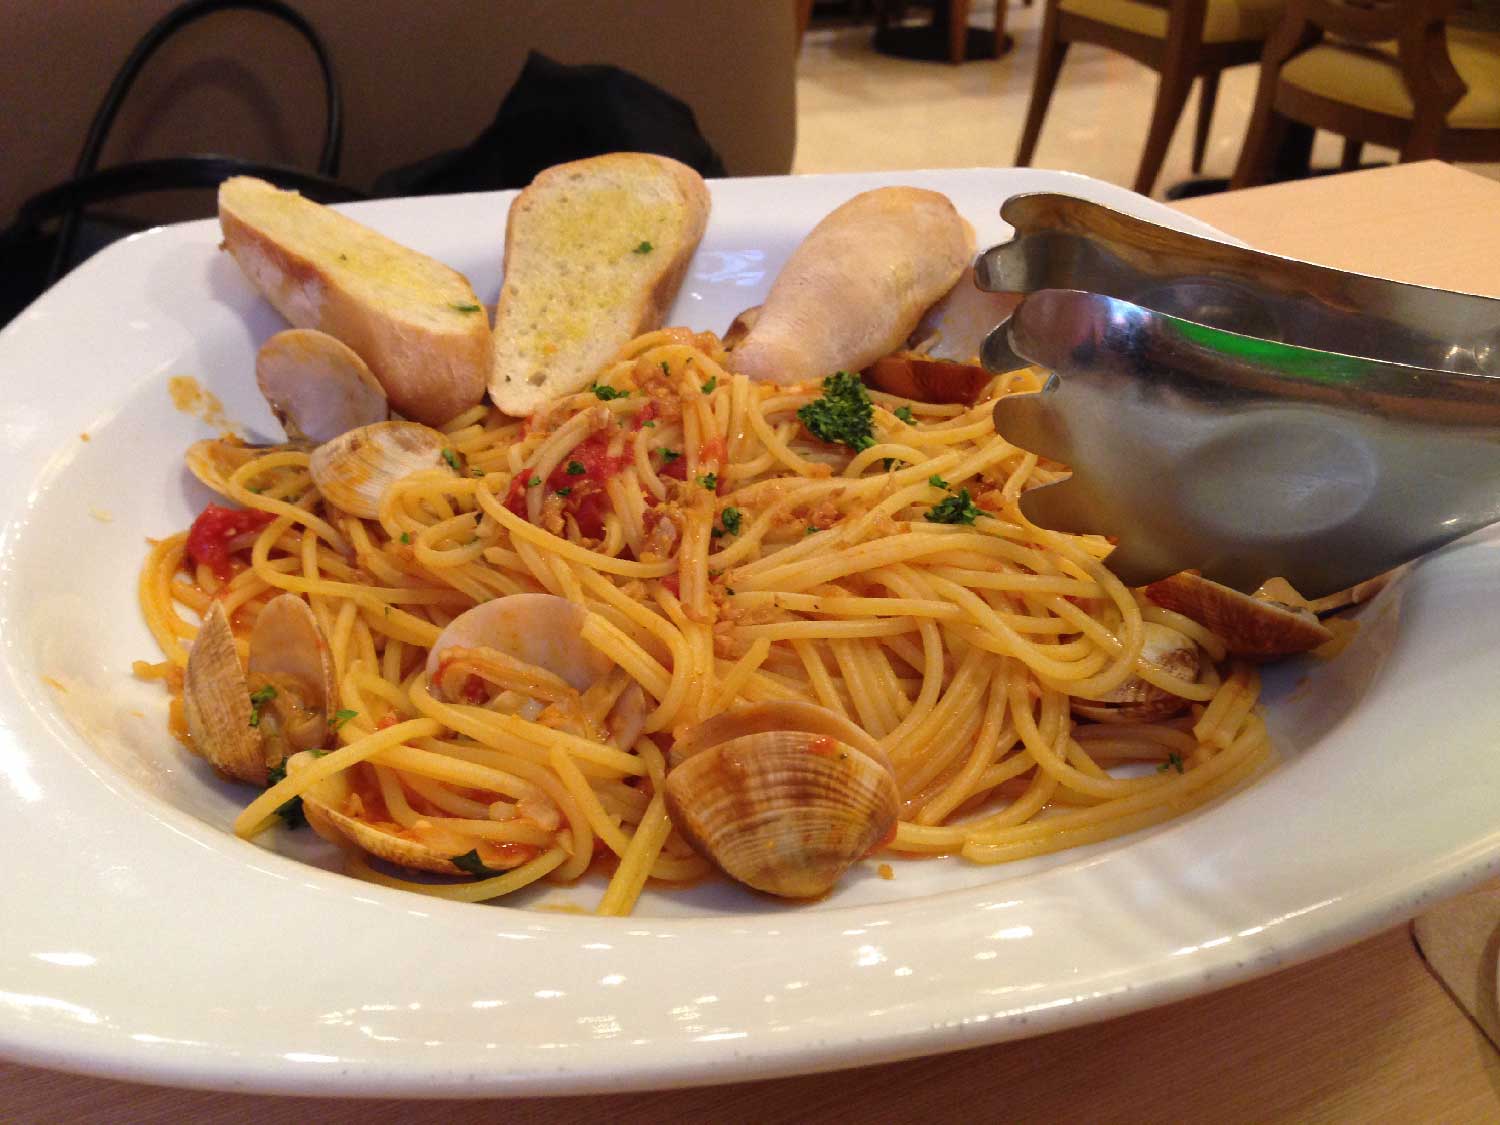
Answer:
x=1365 y=1032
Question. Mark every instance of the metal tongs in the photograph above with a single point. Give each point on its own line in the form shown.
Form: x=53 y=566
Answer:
x=1238 y=413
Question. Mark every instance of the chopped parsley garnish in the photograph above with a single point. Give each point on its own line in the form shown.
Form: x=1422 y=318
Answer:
x=533 y=482
x=666 y=368
x=1173 y=762
x=643 y=247
x=730 y=518
x=843 y=415
x=471 y=863
x=650 y=422
x=452 y=458
x=954 y=509
x=339 y=718
x=607 y=394
x=258 y=489
x=670 y=455
x=456 y=307
x=475 y=471
x=406 y=537
x=708 y=387
x=576 y=468
x=258 y=699
x=811 y=530
x=291 y=811
x=938 y=482
x=562 y=492
x=709 y=481
x=904 y=413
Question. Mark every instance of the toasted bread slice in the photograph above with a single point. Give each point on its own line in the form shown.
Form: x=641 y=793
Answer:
x=595 y=251
x=414 y=321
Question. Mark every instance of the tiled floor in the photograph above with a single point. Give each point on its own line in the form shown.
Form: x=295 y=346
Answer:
x=857 y=110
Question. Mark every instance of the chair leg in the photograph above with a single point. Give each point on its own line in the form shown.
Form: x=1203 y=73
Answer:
x=1171 y=95
x=1048 y=63
x=1208 y=94
x=1353 y=150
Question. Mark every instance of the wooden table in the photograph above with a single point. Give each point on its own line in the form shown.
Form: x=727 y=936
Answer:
x=1361 y=1034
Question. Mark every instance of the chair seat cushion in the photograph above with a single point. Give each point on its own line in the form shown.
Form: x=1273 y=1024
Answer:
x=1370 y=78
x=1226 y=21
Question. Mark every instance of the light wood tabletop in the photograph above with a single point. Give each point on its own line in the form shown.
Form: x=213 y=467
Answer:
x=1366 y=1033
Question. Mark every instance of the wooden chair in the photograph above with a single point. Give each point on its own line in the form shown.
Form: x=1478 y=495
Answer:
x=1399 y=73
x=1179 y=39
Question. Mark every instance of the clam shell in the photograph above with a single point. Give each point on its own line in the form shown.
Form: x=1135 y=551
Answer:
x=216 y=700
x=1135 y=700
x=317 y=386
x=355 y=469
x=1254 y=628
x=321 y=804
x=539 y=629
x=288 y=651
x=214 y=460
x=784 y=811
x=780 y=715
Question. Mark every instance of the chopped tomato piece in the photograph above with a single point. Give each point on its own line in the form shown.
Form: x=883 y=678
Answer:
x=209 y=537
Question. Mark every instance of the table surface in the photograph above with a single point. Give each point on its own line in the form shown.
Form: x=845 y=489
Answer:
x=1360 y=1034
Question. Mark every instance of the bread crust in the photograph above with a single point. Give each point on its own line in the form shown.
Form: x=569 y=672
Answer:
x=430 y=370
x=644 y=308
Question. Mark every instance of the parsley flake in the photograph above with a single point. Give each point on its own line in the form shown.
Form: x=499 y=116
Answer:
x=562 y=492
x=475 y=866
x=708 y=387
x=666 y=368
x=843 y=415
x=607 y=394
x=730 y=518
x=643 y=247
x=954 y=509
x=452 y=458
x=475 y=471
x=938 y=482
x=339 y=718
x=456 y=307
x=533 y=482
x=650 y=422
x=670 y=455
x=406 y=537
x=291 y=811
x=1173 y=762
x=904 y=413
x=709 y=481
x=258 y=699
x=576 y=468
x=811 y=530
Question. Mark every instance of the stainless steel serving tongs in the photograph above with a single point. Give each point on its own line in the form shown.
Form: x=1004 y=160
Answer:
x=1239 y=413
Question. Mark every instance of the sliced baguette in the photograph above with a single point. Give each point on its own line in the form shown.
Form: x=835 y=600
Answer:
x=595 y=252
x=414 y=321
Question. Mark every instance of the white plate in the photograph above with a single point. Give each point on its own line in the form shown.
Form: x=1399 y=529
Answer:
x=141 y=940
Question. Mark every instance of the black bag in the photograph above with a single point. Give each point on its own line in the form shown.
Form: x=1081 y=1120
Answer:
x=51 y=233
x=556 y=113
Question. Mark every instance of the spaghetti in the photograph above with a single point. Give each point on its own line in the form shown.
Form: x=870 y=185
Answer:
x=720 y=554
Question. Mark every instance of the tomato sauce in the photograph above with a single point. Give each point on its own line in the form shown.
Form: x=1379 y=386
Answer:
x=209 y=537
x=584 y=497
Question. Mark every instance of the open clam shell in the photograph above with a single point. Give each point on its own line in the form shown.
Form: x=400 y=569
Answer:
x=323 y=805
x=539 y=629
x=1136 y=700
x=289 y=653
x=783 y=798
x=1255 y=628
x=216 y=700
x=356 y=469
x=317 y=386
